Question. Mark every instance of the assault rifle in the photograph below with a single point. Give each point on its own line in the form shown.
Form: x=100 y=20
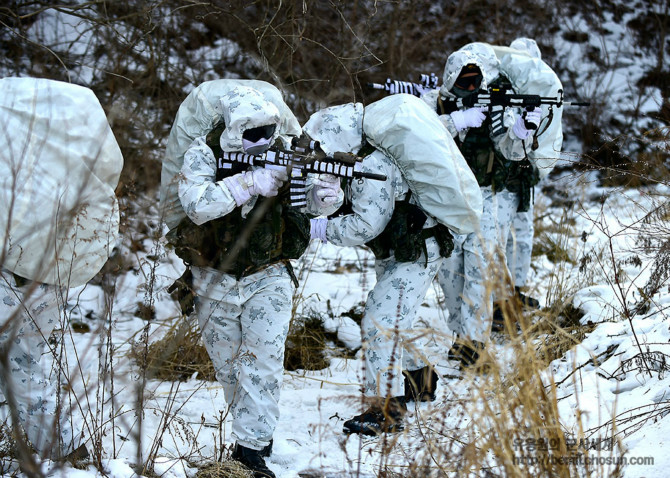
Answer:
x=506 y=98
x=305 y=156
x=392 y=87
x=499 y=98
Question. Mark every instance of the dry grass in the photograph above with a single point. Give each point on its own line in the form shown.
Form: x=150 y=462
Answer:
x=178 y=355
x=509 y=424
x=224 y=469
x=306 y=345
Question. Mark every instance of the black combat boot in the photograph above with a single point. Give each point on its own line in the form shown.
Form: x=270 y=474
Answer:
x=78 y=455
x=498 y=322
x=509 y=310
x=252 y=459
x=379 y=418
x=267 y=450
x=466 y=353
x=420 y=385
x=526 y=301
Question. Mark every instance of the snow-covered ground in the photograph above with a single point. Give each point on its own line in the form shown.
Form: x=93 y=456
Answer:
x=184 y=423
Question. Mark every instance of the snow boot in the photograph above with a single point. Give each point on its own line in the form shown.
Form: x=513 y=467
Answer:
x=267 y=451
x=253 y=460
x=78 y=455
x=527 y=302
x=466 y=353
x=420 y=385
x=379 y=418
x=498 y=322
x=510 y=308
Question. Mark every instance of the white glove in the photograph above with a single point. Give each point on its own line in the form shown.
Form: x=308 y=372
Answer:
x=266 y=182
x=532 y=117
x=317 y=228
x=259 y=182
x=470 y=118
x=326 y=189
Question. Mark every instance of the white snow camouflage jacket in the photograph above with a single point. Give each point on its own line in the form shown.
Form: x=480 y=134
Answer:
x=482 y=55
x=204 y=198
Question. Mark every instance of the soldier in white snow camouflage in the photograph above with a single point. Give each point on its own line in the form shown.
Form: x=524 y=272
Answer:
x=59 y=167
x=238 y=238
x=382 y=215
x=31 y=312
x=520 y=239
x=492 y=142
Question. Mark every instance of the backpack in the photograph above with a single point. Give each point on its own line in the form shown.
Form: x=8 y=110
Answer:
x=532 y=76
x=197 y=115
x=59 y=167
x=409 y=132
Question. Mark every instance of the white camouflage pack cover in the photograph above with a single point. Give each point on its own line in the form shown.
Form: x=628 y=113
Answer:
x=196 y=116
x=532 y=76
x=59 y=167
x=407 y=130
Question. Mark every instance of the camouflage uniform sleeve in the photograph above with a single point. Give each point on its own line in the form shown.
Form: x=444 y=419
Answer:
x=431 y=97
x=508 y=143
x=448 y=123
x=372 y=205
x=202 y=197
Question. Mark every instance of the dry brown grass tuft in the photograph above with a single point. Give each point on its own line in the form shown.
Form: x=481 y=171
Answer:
x=224 y=469
x=306 y=345
x=509 y=423
x=178 y=355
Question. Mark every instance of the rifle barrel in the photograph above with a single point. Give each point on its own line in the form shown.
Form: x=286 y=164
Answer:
x=364 y=175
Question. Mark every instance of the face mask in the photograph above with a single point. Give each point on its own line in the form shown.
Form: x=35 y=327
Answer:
x=255 y=148
x=461 y=93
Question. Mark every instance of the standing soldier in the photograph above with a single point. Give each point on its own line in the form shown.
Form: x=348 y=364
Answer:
x=427 y=180
x=238 y=238
x=492 y=142
x=522 y=62
x=59 y=221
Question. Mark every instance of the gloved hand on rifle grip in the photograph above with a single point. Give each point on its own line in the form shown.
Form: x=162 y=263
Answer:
x=259 y=182
x=326 y=189
x=470 y=118
x=527 y=123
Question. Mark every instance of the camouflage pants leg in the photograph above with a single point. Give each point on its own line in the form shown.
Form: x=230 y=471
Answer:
x=508 y=203
x=390 y=311
x=244 y=325
x=464 y=277
x=520 y=246
x=28 y=315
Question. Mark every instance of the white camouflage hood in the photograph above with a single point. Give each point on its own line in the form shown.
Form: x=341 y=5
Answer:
x=488 y=57
x=528 y=45
x=455 y=63
x=338 y=128
x=245 y=108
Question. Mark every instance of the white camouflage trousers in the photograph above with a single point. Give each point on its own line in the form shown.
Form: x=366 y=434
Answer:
x=390 y=311
x=520 y=246
x=463 y=277
x=244 y=325
x=28 y=316
x=508 y=203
